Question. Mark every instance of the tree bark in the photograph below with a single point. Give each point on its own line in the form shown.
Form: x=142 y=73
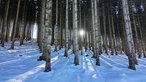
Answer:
x=97 y=33
x=75 y=28
x=48 y=35
x=41 y=24
x=67 y=31
x=104 y=27
x=56 y=28
x=28 y=34
x=93 y=29
x=15 y=25
x=22 y=34
x=129 y=39
x=61 y=26
x=136 y=36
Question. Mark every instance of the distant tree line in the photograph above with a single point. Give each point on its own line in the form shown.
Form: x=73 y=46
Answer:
x=17 y=18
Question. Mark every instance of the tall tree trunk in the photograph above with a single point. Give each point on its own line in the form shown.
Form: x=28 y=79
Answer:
x=43 y=19
x=56 y=27
x=41 y=25
x=80 y=24
x=136 y=36
x=1 y=19
x=23 y=22
x=97 y=33
x=141 y=48
x=61 y=26
x=113 y=31
x=93 y=29
x=67 y=31
x=24 y=25
x=9 y=25
x=75 y=28
x=15 y=25
x=129 y=39
x=142 y=34
x=111 y=44
x=4 y=27
x=104 y=27
x=48 y=35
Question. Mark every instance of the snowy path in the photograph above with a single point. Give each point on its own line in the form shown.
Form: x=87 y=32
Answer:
x=21 y=65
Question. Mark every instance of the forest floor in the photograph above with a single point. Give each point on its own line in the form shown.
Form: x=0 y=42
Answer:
x=21 y=65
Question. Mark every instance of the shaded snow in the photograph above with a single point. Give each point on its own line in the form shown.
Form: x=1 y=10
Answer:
x=21 y=65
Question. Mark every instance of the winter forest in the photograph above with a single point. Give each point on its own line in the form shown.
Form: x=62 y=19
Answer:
x=72 y=40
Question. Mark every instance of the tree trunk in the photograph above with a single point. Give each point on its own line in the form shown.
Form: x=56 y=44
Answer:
x=113 y=31
x=90 y=37
x=41 y=24
x=56 y=28
x=43 y=57
x=23 y=23
x=42 y=27
x=15 y=25
x=136 y=36
x=129 y=39
x=93 y=29
x=67 y=31
x=111 y=44
x=75 y=28
x=4 y=27
x=0 y=27
x=61 y=26
x=48 y=35
x=141 y=48
x=80 y=25
x=8 y=32
x=104 y=27
x=17 y=30
x=97 y=33
x=28 y=34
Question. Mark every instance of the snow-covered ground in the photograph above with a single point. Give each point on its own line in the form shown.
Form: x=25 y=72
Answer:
x=21 y=65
